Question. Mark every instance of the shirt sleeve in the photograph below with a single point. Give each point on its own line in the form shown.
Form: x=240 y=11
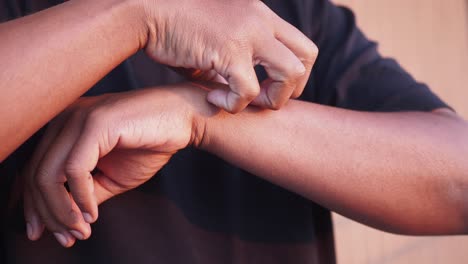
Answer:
x=350 y=73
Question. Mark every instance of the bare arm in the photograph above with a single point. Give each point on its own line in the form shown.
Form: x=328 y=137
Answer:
x=52 y=57
x=401 y=172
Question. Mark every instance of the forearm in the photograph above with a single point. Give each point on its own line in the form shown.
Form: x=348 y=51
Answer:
x=52 y=57
x=400 y=172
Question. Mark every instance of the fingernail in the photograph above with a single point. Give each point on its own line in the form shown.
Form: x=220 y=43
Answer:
x=87 y=217
x=29 y=231
x=36 y=227
x=77 y=234
x=61 y=239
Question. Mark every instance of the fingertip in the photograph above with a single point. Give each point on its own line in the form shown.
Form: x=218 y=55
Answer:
x=29 y=231
x=77 y=234
x=228 y=100
x=218 y=98
x=34 y=228
x=81 y=235
x=40 y=231
x=65 y=239
x=61 y=239
x=89 y=218
x=273 y=95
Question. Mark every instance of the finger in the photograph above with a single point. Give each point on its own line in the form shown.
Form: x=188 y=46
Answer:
x=103 y=186
x=301 y=46
x=283 y=68
x=65 y=238
x=243 y=84
x=62 y=236
x=50 y=178
x=81 y=162
x=34 y=225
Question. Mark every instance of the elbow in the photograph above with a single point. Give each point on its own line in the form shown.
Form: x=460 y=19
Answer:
x=451 y=197
x=441 y=210
x=457 y=202
x=453 y=172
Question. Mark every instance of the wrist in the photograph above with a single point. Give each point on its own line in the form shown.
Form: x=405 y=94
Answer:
x=152 y=13
x=201 y=113
x=135 y=15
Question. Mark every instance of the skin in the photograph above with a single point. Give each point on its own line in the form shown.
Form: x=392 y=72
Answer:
x=52 y=57
x=402 y=172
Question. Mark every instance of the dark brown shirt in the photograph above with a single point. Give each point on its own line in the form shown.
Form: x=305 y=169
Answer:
x=200 y=209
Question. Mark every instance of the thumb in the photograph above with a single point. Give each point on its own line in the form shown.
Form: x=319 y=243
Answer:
x=105 y=188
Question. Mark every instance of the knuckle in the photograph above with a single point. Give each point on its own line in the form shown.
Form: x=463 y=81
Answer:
x=294 y=70
x=42 y=179
x=247 y=87
x=312 y=52
x=73 y=170
x=249 y=94
x=261 y=8
x=296 y=94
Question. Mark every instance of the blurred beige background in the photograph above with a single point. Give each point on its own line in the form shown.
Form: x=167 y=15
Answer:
x=430 y=39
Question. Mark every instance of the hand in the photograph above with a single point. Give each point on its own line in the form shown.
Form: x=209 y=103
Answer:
x=126 y=138
x=228 y=38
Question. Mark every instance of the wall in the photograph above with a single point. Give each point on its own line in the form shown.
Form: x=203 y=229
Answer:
x=430 y=39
